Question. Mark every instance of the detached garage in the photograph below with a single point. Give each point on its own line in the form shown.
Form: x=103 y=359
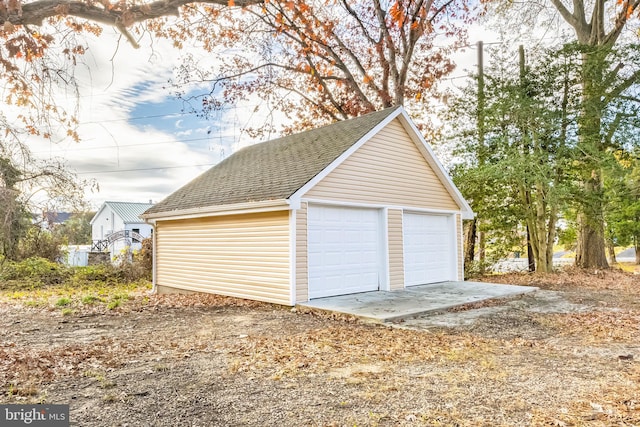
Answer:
x=361 y=205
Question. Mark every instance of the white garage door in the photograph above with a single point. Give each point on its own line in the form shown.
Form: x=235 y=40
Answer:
x=344 y=250
x=428 y=248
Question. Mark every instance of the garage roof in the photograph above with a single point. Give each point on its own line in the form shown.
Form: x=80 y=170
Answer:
x=271 y=170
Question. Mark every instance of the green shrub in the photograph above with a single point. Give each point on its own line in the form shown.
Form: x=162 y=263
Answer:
x=123 y=271
x=476 y=268
x=94 y=273
x=145 y=257
x=39 y=243
x=39 y=271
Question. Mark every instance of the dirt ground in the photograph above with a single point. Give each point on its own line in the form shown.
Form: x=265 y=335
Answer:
x=567 y=355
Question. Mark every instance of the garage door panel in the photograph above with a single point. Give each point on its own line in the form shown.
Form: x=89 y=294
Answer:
x=343 y=250
x=428 y=248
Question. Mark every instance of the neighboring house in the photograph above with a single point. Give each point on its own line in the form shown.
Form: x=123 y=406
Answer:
x=360 y=205
x=49 y=220
x=117 y=226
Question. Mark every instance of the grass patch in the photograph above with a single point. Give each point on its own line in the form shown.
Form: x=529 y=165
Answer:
x=114 y=304
x=90 y=299
x=32 y=303
x=86 y=295
x=62 y=302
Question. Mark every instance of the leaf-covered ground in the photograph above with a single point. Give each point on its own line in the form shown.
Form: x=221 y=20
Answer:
x=567 y=355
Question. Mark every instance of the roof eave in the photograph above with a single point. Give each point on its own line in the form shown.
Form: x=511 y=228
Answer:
x=219 y=210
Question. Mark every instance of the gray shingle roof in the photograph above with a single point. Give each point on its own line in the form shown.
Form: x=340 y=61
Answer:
x=128 y=211
x=271 y=170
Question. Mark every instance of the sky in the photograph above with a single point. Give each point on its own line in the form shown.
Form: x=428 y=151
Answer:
x=137 y=144
x=135 y=141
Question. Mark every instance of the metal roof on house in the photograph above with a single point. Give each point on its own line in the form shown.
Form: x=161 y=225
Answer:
x=271 y=170
x=129 y=212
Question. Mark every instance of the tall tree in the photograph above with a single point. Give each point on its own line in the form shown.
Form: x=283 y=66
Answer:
x=30 y=185
x=599 y=26
x=524 y=179
x=77 y=229
x=41 y=43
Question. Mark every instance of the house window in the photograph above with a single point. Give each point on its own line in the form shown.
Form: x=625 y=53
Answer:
x=136 y=230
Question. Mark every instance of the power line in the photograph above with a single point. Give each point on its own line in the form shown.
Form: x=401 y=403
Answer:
x=136 y=118
x=145 y=169
x=170 y=114
x=104 y=147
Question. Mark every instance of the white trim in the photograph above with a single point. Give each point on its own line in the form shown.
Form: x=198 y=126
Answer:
x=460 y=235
x=292 y=254
x=337 y=162
x=384 y=241
x=154 y=268
x=379 y=206
x=232 y=209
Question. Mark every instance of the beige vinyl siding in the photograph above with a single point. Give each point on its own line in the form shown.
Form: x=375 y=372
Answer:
x=388 y=169
x=244 y=256
x=302 y=272
x=396 y=249
x=460 y=246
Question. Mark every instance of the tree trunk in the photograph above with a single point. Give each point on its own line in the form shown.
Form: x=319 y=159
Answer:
x=612 y=252
x=637 y=248
x=590 y=252
x=470 y=244
x=530 y=258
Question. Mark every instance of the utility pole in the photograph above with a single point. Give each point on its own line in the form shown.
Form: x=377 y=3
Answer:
x=530 y=257
x=481 y=147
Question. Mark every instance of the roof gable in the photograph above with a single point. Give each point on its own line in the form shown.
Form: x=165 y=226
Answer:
x=422 y=145
x=274 y=169
x=129 y=212
x=388 y=169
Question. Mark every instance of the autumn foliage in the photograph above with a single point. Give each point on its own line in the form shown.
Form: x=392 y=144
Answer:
x=313 y=60
x=326 y=60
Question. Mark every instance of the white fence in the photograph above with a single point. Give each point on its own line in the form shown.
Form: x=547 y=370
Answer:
x=522 y=264
x=77 y=255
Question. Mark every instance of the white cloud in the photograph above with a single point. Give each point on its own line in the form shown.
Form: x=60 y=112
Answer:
x=129 y=161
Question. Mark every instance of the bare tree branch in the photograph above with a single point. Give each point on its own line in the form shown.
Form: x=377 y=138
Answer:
x=624 y=85
x=34 y=13
x=571 y=19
